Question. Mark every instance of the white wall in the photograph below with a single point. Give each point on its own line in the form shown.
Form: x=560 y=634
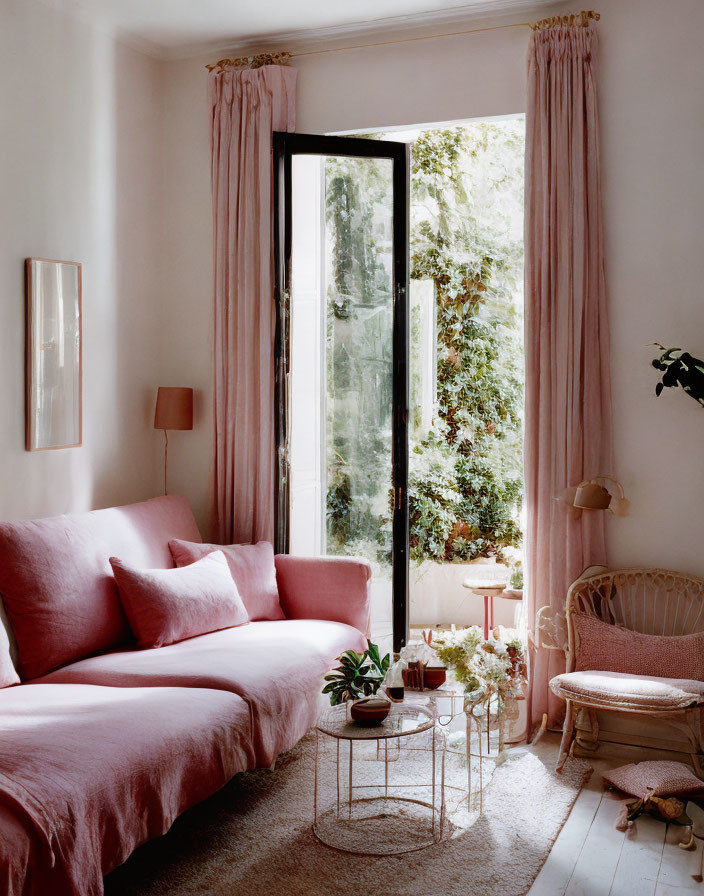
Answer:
x=652 y=125
x=80 y=181
x=651 y=90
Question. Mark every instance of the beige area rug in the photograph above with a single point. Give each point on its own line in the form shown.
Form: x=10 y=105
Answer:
x=254 y=837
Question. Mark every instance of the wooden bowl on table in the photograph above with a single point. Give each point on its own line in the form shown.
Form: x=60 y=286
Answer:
x=370 y=710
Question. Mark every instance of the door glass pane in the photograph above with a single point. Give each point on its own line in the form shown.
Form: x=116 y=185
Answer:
x=341 y=366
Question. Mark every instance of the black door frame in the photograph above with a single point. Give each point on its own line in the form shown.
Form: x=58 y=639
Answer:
x=285 y=146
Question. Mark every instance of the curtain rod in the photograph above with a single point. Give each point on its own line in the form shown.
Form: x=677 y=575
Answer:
x=581 y=19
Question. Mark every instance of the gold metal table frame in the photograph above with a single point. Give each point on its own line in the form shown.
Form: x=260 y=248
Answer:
x=408 y=728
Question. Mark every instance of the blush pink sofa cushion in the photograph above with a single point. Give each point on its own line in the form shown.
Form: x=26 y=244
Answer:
x=168 y=605
x=56 y=583
x=252 y=568
x=609 y=648
x=87 y=774
x=8 y=673
x=621 y=690
x=277 y=667
x=326 y=588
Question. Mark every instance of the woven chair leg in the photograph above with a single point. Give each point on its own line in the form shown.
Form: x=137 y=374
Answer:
x=567 y=737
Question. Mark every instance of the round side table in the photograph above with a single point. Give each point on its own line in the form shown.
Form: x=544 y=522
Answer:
x=489 y=591
x=379 y=790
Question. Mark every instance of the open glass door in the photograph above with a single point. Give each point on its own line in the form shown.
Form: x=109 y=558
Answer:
x=342 y=359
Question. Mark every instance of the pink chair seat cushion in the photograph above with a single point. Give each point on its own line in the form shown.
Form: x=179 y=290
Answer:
x=252 y=567
x=620 y=690
x=661 y=777
x=168 y=605
x=56 y=583
x=611 y=648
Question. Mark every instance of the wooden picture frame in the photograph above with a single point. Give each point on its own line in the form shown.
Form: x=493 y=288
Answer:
x=53 y=355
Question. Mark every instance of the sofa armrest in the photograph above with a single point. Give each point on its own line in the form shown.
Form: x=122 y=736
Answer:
x=332 y=588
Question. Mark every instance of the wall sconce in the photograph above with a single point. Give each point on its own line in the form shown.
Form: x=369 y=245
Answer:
x=599 y=493
x=174 y=410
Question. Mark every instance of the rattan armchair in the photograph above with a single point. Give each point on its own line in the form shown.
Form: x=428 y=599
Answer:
x=652 y=601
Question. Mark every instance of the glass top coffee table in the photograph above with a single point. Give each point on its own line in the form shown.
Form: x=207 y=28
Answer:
x=379 y=790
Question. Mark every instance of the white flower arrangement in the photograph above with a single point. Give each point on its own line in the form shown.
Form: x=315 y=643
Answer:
x=485 y=667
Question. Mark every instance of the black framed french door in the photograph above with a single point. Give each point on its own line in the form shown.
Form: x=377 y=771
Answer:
x=341 y=276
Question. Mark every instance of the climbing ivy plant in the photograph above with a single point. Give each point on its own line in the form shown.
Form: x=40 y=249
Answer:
x=465 y=485
x=465 y=469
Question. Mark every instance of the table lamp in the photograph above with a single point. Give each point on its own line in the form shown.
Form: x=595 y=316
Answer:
x=174 y=410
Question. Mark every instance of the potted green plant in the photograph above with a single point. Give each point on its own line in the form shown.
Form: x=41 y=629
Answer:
x=358 y=675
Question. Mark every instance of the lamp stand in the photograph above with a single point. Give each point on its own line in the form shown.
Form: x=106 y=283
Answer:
x=166 y=456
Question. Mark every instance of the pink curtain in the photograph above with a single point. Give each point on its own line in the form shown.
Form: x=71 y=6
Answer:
x=246 y=107
x=568 y=395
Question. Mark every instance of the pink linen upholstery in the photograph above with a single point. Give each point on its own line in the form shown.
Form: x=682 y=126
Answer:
x=615 y=649
x=252 y=568
x=167 y=605
x=335 y=588
x=56 y=581
x=89 y=773
x=660 y=777
x=629 y=692
x=20 y=850
x=8 y=674
x=276 y=667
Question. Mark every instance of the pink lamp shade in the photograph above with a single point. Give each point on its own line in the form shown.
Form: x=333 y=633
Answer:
x=174 y=408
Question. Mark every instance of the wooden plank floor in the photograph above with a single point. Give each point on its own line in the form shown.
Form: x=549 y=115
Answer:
x=591 y=858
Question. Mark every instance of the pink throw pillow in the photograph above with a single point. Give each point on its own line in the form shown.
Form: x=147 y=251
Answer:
x=252 y=567
x=58 y=593
x=167 y=605
x=609 y=648
x=661 y=777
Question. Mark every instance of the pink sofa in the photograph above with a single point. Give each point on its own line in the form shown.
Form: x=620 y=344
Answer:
x=105 y=747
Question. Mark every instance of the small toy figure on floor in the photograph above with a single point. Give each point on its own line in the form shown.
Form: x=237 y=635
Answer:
x=667 y=791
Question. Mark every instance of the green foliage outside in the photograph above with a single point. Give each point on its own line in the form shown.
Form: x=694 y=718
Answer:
x=465 y=468
x=359 y=357
x=466 y=472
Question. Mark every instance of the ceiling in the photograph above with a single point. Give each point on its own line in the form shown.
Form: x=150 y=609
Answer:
x=170 y=28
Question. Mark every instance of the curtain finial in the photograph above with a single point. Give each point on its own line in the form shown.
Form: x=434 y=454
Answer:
x=257 y=61
x=581 y=19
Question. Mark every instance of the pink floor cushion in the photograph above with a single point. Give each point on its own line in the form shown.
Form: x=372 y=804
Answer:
x=276 y=667
x=87 y=774
x=615 y=649
x=56 y=583
x=252 y=567
x=659 y=777
x=167 y=605
x=633 y=692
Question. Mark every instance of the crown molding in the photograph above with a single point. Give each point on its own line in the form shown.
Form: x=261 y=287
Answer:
x=336 y=36
x=428 y=24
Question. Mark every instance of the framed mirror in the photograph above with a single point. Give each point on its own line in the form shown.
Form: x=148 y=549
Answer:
x=54 y=374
